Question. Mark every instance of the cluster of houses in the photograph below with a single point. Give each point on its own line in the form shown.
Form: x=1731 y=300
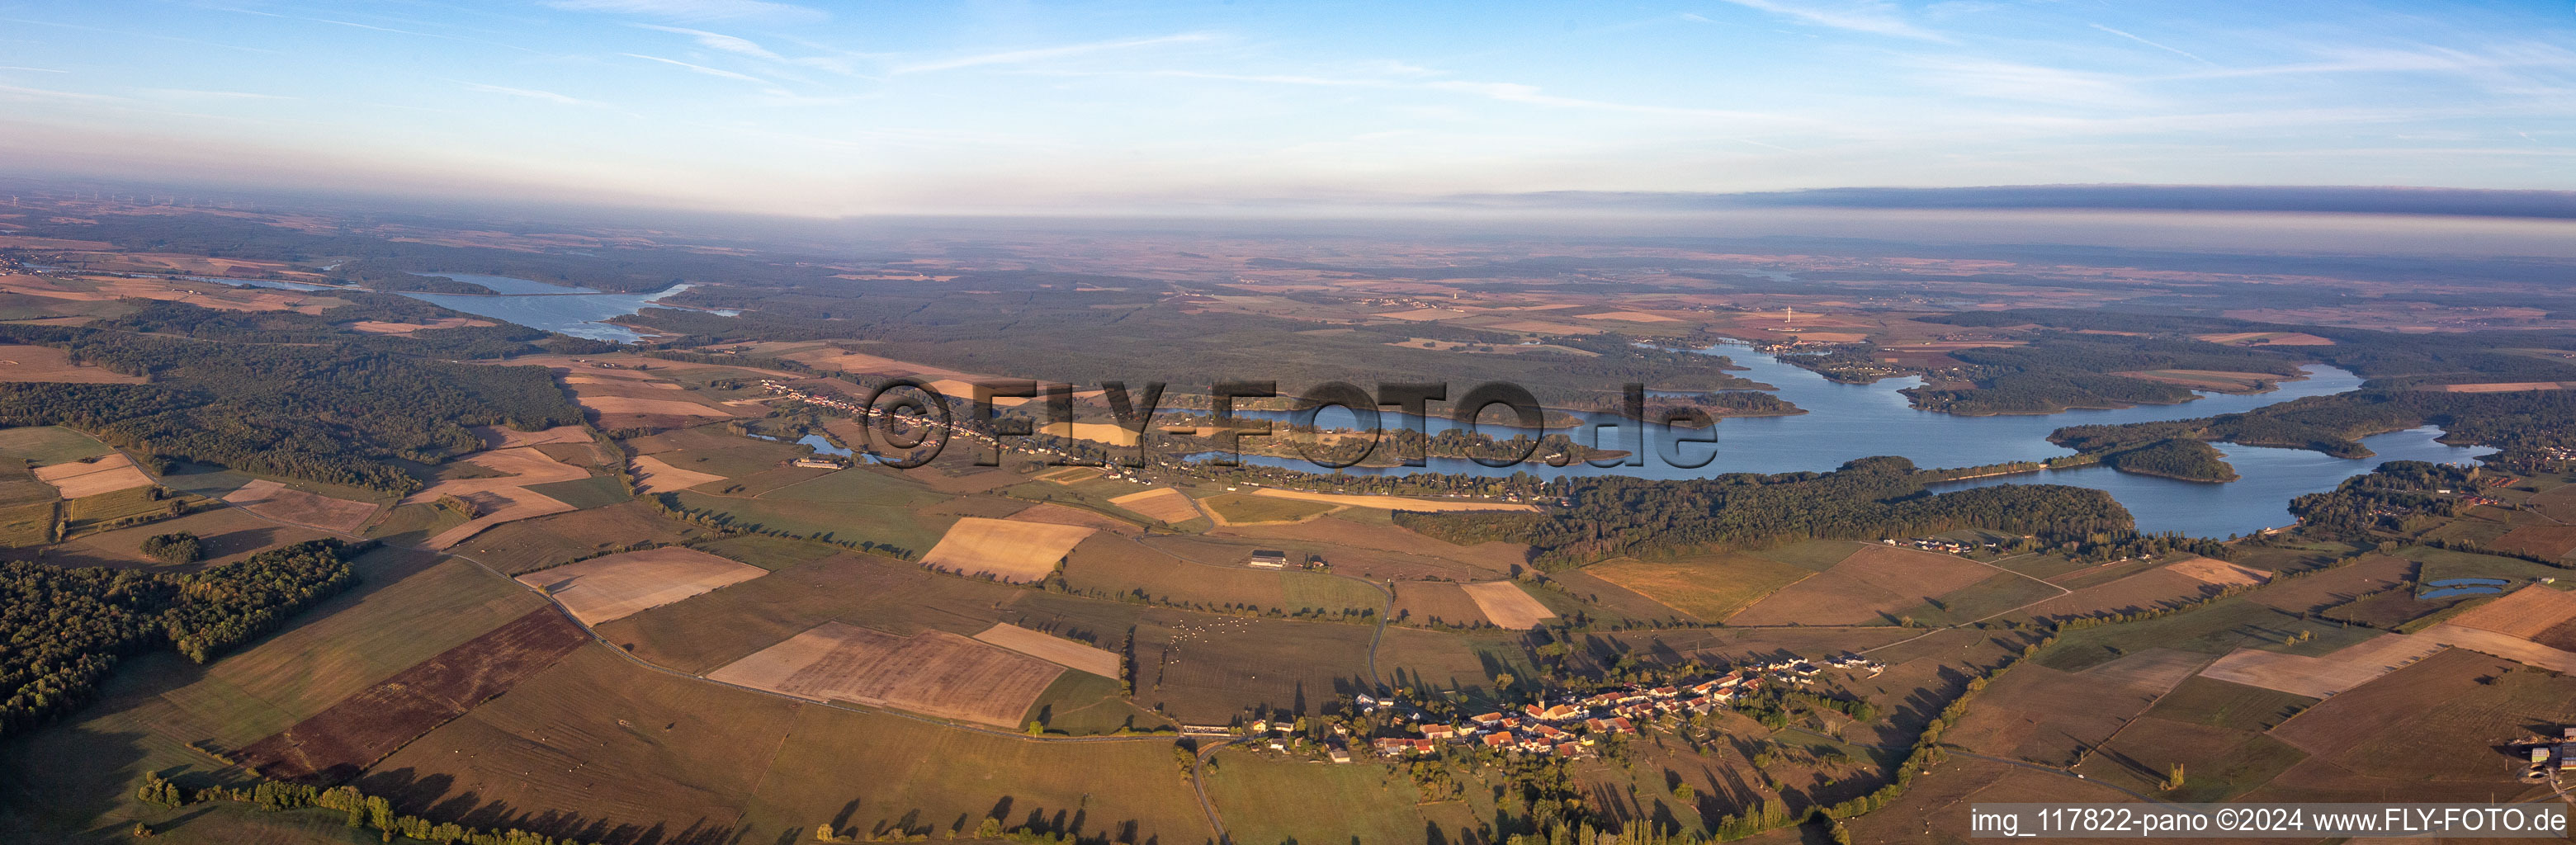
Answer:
x=1570 y=726
x=1938 y=544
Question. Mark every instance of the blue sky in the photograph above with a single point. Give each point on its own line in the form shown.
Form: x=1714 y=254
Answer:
x=834 y=108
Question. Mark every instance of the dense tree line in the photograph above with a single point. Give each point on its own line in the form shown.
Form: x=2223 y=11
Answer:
x=2517 y=420
x=2383 y=499
x=2060 y=371
x=2176 y=457
x=1866 y=499
x=66 y=627
x=328 y=413
x=2435 y=356
x=364 y=811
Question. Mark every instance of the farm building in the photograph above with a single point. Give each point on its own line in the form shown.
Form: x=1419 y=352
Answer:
x=1267 y=559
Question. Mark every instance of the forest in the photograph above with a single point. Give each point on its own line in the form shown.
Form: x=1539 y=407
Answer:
x=2063 y=370
x=1866 y=499
x=2382 y=500
x=67 y=627
x=2175 y=457
x=330 y=413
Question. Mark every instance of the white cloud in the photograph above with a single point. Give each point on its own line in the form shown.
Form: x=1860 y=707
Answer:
x=2182 y=53
x=529 y=93
x=1039 y=54
x=699 y=10
x=719 y=41
x=698 y=68
x=1871 y=16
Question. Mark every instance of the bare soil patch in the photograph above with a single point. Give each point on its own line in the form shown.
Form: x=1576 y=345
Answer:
x=932 y=672
x=2320 y=677
x=647 y=407
x=497 y=506
x=2524 y=613
x=279 y=502
x=2048 y=716
x=106 y=474
x=2518 y=649
x=1011 y=549
x=1864 y=588
x=1161 y=503
x=1057 y=650
x=364 y=727
x=2157 y=669
x=2218 y=572
x=505 y=437
x=382 y=327
x=620 y=585
x=654 y=476
x=2550 y=541
x=1401 y=503
x=1507 y=605
x=1443 y=602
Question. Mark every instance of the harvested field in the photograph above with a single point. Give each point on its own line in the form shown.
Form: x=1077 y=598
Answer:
x=646 y=407
x=2424 y=733
x=2320 y=677
x=2265 y=339
x=2218 y=380
x=2217 y=572
x=1507 y=605
x=1403 y=503
x=620 y=585
x=518 y=467
x=1874 y=582
x=645 y=385
x=1113 y=435
x=2512 y=648
x=2154 y=588
x=654 y=476
x=1163 y=504
x=2049 y=717
x=2221 y=763
x=106 y=474
x=361 y=729
x=2522 y=614
x=1068 y=475
x=1435 y=602
x=1057 y=650
x=705 y=633
x=1231 y=509
x=2549 y=541
x=496 y=506
x=2502 y=387
x=1382 y=551
x=1202 y=668
x=1712 y=587
x=277 y=501
x=1009 y=549
x=1056 y=514
x=933 y=672
x=2156 y=669
x=1627 y=317
x=505 y=437
x=20 y=362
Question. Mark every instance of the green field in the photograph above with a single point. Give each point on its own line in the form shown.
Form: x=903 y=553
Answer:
x=1711 y=587
x=2214 y=628
x=132 y=503
x=1264 y=798
x=2005 y=591
x=409 y=525
x=1330 y=592
x=712 y=449
x=1083 y=703
x=767 y=552
x=25 y=524
x=2444 y=564
x=2222 y=704
x=48 y=445
x=1240 y=508
x=848 y=506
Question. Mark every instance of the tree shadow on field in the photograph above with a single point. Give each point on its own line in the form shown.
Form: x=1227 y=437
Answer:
x=426 y=797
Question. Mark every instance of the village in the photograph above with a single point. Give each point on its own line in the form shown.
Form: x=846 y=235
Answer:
x=1568 y=725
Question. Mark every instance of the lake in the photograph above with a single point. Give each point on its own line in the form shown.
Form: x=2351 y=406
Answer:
x=575 y=311
x=1847 y=421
